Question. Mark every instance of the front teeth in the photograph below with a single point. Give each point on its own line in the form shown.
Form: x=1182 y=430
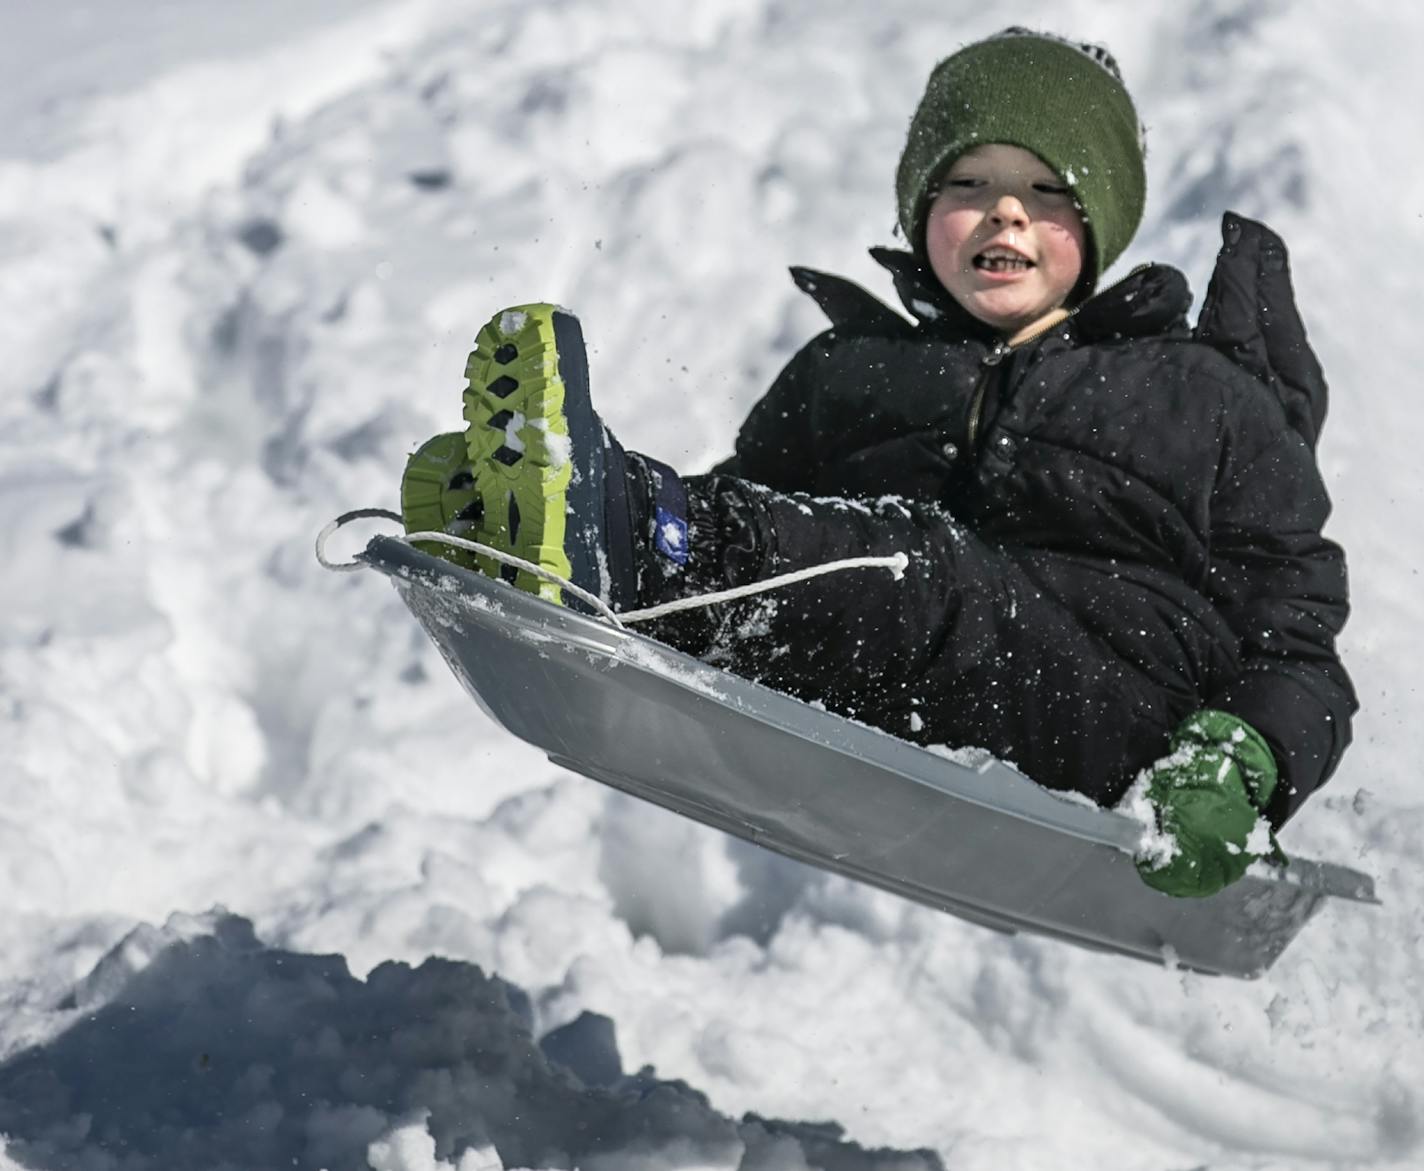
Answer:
x=1000 y=262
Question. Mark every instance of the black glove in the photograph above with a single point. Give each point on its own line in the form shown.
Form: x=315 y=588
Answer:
x=1250 y=316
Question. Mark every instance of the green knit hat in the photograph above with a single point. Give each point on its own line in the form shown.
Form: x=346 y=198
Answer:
x=1063 y=101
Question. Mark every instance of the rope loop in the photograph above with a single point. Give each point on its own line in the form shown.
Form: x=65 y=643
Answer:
x=345 y=519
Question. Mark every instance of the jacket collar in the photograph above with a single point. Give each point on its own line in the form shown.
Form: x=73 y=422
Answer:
x=927 y=300
x=1151 y=300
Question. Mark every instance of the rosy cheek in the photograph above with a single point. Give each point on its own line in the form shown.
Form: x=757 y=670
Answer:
x=950 y=229
x=1070 y=234
x=1065 y=240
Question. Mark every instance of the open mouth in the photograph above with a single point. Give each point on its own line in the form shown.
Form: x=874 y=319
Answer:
x=1001 y=260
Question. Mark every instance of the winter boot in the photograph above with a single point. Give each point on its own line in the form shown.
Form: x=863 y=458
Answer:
x=438 y=495
x=553 y=485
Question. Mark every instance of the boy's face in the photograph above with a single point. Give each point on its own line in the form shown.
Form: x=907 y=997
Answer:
x=1004 y=237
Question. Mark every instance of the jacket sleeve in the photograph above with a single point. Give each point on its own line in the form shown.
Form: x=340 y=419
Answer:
x=1283 y=589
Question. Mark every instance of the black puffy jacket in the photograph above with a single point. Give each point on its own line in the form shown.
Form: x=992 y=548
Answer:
x=1160 y=482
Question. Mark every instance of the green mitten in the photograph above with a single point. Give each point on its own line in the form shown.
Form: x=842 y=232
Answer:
x=1207 y=795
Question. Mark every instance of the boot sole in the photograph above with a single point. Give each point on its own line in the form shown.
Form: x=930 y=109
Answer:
x=430 y=497
x=536 y=449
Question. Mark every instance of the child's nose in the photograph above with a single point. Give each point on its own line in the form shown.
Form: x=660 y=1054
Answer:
x=1008 y=209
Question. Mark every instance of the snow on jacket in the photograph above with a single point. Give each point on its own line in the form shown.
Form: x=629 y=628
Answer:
x=1159 y=482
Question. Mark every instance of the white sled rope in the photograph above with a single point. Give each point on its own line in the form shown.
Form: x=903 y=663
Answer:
x=977 y=840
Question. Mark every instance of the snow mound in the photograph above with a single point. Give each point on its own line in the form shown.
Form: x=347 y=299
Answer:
x=198 y=1046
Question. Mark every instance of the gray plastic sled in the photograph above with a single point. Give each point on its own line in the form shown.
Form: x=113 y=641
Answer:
x=980 y=841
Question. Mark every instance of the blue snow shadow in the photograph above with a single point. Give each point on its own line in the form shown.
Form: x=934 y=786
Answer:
x=221 y=1052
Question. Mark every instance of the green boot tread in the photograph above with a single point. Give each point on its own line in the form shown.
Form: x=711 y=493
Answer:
x=438 y=495
x=517 y=443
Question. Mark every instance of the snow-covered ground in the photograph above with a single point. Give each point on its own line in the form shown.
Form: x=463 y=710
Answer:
x=241 y=262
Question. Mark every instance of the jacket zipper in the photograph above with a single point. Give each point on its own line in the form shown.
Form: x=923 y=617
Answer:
x=976 y=410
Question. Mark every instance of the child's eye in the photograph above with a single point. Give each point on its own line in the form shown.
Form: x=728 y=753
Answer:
x=964 y=182
x=1050 y=188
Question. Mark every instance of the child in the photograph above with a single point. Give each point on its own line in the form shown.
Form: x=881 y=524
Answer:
x=1112 y=521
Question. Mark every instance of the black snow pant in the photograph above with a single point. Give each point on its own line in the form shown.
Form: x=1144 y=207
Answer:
x=963 y=650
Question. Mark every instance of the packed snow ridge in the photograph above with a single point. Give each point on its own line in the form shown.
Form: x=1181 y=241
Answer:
x=197 y=1046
